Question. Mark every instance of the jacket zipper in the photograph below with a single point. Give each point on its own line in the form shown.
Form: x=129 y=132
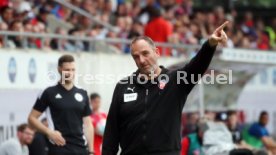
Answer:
x=147 y=93
x=146 y=101
x=146 y=111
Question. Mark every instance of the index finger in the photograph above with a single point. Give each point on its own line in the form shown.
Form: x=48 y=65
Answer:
x=221 y=27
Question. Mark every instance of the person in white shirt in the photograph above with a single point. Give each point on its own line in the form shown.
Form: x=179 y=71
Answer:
x=18 y=145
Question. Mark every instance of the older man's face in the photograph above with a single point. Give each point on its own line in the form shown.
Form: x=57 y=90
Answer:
x=145 y=56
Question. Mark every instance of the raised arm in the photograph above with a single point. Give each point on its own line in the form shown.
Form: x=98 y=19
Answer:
x=218 y=36
x=198 y=65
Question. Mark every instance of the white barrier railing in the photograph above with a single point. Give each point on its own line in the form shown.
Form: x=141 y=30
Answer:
x=91 y=41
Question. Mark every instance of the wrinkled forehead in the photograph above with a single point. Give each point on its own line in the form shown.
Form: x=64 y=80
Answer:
x=140 y=46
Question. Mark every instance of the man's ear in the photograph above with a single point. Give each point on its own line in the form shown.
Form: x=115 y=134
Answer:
x=19 y=134
x=157 y=51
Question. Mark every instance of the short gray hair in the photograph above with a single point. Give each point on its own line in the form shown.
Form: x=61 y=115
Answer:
x=145 y=38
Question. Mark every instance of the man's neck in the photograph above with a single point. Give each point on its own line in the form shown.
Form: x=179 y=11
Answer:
x=67 y=85
x=96 y=111
x=21 y=143
x=262 y=124
x=231 y=127
x=154 y=74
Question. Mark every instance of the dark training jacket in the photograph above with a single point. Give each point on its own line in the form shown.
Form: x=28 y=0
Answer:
x=145 y=119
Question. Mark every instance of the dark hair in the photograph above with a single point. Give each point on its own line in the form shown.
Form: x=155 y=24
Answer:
x=22 y=127
x=201 y=125
x=230 y=113
x=65 y=58
x=44 y=10
x=73 y=30
x=94 y=96
x=147 y=39
x=4 y=9
x=154 y=12
x=13 y=23
x=263 y=113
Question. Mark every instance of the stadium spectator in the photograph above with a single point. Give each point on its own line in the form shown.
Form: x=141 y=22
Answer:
x=3 y=27
x=235 y=129
x=98 y=120
x=187 y=25
x=18 y=145
x=191 y=125
x=22 y=8
x=145 y=13
x=85 y=23
x=219 y=15
x=16 y=41
x=248 y=21
x=158 y=29
x=74 y=18
x=199 y=143
x=262 y=40
x=7 y=14
x=76 y=3
x=39 y=144
x=192 y=143
x=76 y=44
x=210 y=115
x=42 y=16
x=123 y=24
x=63 y=44
x=271 y=30
x=218 y=139
x=137 y=29
x=89 y=6
x=232 y=124
x=258 y=136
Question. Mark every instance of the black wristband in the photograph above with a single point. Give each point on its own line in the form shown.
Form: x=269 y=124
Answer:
x=91 y=153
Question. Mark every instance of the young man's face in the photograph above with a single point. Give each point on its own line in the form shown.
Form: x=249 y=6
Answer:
x=145 y=56
x=232 y=120
x=8 y=15
x=26 y=137
x=264 y=120
x=96 y=103
x=67 y=72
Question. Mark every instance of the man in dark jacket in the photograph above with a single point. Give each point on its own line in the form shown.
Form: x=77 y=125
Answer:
x=146 y=108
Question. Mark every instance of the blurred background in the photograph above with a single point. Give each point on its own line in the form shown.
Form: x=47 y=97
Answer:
x=35 y=33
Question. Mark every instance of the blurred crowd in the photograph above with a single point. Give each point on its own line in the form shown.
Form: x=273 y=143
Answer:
x=173 y=21
x=221 y=132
